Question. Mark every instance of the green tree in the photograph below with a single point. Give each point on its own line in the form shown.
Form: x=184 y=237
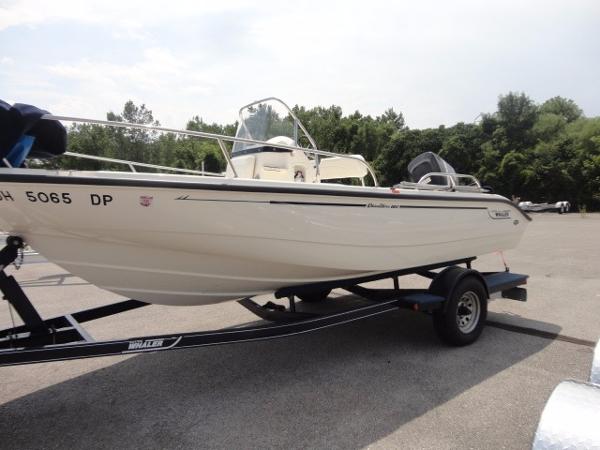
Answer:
x=563 y=107
x=133 y=143
x=516 y=115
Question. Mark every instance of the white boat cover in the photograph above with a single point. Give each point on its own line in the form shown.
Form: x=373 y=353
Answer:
x=570 y=419
x=595 y=372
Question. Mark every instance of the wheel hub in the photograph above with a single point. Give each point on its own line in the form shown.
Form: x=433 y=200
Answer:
x=468 y=312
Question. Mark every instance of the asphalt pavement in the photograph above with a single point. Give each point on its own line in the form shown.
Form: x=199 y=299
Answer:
x=382 y=382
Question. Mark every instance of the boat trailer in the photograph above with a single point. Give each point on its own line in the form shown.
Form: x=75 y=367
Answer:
x=456 y=299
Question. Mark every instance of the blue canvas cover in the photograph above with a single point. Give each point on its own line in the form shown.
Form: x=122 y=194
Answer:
x=21 y=120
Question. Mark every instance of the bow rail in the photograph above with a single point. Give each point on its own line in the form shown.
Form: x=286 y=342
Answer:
x=221 y=139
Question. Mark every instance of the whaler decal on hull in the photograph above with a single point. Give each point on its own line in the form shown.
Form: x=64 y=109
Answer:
x=499 y=214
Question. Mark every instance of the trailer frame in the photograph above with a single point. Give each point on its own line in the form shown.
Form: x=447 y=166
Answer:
x=64 y=337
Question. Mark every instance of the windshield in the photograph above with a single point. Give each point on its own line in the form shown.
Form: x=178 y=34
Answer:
x=267 y=119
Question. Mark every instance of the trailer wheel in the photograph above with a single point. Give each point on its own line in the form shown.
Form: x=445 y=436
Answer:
x=462 y=321
x=314 y=297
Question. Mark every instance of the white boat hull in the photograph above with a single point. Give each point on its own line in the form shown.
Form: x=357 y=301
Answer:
x=180 y=240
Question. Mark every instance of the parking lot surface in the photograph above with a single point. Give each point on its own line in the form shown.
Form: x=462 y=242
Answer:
x=382 y=382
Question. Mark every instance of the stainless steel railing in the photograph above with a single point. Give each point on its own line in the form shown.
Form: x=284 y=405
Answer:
x=221 y=139
x=452 y=179
x=452 y=183
x=132 y=165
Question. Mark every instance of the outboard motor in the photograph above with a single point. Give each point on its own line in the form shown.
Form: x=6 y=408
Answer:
x=426 y=163
x=24 y=134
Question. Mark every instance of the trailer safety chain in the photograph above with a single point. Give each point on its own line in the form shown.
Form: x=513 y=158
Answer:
x=501 y=254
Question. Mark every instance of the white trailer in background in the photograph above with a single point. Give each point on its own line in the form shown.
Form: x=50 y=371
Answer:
x=560 y=207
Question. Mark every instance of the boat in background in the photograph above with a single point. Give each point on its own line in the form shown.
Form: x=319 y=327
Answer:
x=275 y=218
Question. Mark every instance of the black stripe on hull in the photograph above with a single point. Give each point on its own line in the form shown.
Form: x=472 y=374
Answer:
x=350 y=205
x=167 y=184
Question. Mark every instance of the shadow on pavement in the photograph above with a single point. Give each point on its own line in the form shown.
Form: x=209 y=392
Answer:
x=344 y=387
x=60 y=279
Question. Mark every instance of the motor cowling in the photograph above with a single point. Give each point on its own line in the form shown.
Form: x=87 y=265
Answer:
x=429 y=162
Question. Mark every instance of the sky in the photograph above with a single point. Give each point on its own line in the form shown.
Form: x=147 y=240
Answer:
x=437 y=62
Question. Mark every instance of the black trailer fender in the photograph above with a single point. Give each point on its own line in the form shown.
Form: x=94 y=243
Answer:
x=447 y=280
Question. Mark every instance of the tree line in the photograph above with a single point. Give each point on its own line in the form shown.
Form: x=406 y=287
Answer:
x=538 y=152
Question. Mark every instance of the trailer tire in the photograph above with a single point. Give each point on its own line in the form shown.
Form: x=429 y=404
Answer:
x=462 y=320
x=315 y=297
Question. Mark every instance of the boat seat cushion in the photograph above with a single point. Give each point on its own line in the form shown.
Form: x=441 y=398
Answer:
x=244 y=166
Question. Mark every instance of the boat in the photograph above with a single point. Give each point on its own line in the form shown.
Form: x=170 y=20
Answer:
x=278 y=216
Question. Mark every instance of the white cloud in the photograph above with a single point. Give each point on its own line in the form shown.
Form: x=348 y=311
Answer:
x=118 y=13
x=157 y=68
x=157 y=78
x=437 y=62
x=134 y=32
